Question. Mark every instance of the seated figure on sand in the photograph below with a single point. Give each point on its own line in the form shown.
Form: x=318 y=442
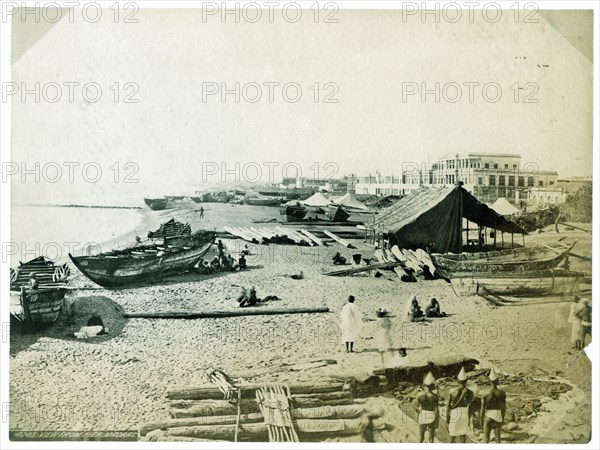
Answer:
x=339 y=260
x=242 y=262
x=249 y=299
x=415 y=313
x=433 y=309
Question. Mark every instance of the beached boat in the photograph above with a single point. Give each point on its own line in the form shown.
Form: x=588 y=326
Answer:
x=156 y=204
x=171 y=229
x=514 y=260
x=145 y=263
x=196 y=199
x=529 y=283
x=256 y=201
x=43 y=304
x=293 y=212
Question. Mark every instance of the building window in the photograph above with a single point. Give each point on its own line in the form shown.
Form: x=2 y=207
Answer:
x=501 y=180
x=551 y=183
x=495 y=166
x=541 y=183
x=515 y=166
x=487 y=165
x=506 y=166
x=492 y=180
x=480 y=181
x=521 y=181
x=530 y=182
x=511 y=181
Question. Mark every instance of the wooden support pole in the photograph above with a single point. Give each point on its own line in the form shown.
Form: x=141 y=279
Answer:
x=248 y=390
x=221 y=314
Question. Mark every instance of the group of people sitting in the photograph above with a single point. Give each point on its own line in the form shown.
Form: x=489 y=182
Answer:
x=338 y=259
x=224 y=262
x=416 y=314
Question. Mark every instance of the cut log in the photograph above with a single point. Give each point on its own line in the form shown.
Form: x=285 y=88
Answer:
x=575 y=227
x=248 y=390
x=196 y=409
x=201 y=408
x=343 y=272
x=201 y=420
x=258 y=311
x=338 y=239
x=349 y=411
x=258 y=431
x=320 y=400
x=290 y=234
x=338 y=426
x=299 y=237
x=312 y=237
x=254 y=431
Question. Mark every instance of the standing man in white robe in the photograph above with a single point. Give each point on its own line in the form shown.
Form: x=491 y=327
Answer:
x=351 y=324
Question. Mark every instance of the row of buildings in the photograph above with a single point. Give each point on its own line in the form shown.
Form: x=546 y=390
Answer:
x=488 y=176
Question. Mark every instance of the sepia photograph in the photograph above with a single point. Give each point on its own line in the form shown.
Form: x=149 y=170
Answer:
x=247 y=223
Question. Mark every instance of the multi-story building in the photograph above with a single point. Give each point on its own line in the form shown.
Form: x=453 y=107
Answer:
x=487 y=175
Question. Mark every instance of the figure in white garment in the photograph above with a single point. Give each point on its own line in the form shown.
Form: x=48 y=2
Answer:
x=458 y=409
x=350 y=323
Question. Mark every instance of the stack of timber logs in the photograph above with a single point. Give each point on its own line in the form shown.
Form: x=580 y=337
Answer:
x=319 y=409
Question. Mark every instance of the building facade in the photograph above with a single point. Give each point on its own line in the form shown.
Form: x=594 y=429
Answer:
x=488 y=176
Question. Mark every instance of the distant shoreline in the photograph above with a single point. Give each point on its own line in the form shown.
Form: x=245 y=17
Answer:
x=82 y=206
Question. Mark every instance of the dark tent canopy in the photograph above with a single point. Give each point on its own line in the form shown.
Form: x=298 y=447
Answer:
x=432 y=217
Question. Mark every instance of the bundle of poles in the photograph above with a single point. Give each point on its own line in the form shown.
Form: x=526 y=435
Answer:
x=318 y=410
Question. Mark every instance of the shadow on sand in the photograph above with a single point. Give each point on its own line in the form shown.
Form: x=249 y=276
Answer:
x=73 y=316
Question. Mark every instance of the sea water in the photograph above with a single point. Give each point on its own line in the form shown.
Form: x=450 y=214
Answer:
x=54 y=231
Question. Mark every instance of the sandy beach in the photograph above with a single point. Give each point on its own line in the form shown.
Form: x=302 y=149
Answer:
x=119 y=381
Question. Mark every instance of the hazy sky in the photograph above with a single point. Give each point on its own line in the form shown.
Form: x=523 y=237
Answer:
x=371 y=57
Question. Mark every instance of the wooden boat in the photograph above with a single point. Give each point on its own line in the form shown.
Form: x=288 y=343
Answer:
x=41 y=305
x=170 y=229
x=267 y=201
x=156 y=204
x=145 y=262
x=522 y=284
x=293 y=213
x=514 y=260
x=196 y=199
